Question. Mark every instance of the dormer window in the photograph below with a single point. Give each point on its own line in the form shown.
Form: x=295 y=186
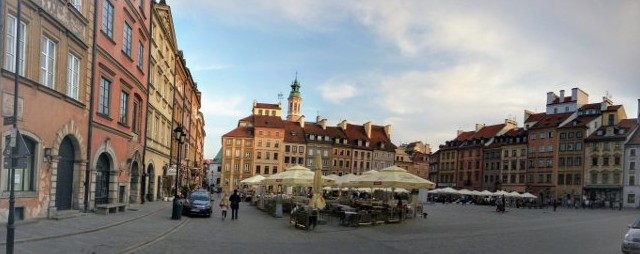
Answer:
x=599 y=133
x=382 y=145
x=359 y=142
x=327 y=138
x=621 y=131
x=367 y=144
x=312 y=137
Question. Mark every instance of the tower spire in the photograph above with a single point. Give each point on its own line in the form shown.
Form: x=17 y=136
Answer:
x=295 y=100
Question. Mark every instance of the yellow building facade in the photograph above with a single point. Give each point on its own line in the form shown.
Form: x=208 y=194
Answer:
x=160 y=107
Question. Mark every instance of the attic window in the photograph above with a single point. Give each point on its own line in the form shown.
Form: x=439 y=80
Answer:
x=599 y=133
x=382 y=145
x=621 y=131
x=312 y=137
x=367 y=144
x=326 y=138
x=293 y=133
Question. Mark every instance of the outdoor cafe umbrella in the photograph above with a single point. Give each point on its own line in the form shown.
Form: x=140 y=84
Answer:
x=528 y=195
x=317 y=200
x=254 y=180
x=295 y=176
x=392 y=177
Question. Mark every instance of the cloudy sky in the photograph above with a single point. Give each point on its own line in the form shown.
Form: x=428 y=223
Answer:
x=428 y=68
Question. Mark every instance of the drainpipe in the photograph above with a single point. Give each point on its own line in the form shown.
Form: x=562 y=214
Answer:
x=87 y=176
x=146 y=117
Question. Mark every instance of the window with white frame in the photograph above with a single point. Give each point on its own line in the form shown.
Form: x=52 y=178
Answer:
x=10 y=51
x=107 y=18
x=126 y=39
x=73 y=76
x=48 y=62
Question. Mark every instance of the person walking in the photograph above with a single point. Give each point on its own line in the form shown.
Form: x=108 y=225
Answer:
x=224 y=206
x=235 y=204
x=555 y=204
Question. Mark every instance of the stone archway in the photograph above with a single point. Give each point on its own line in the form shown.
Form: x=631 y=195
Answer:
x=134 y=195
x=103 y=179
x=65 y=174
x=68 y=163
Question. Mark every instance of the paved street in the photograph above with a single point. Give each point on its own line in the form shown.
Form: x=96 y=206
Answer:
x=448 y=229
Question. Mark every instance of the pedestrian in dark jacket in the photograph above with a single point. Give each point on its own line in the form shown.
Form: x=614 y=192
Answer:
x=235 y=204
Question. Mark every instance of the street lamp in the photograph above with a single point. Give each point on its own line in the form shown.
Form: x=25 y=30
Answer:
x=176 y=214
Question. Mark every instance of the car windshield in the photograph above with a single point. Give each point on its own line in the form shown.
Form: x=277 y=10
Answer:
x=636 y=224
x=200 y=196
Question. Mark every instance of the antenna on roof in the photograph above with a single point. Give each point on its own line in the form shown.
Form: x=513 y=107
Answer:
x=608 y=95
x=280 y=96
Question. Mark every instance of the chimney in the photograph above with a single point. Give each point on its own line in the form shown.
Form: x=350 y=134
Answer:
x=606 y=102
x=343 y=125
x=527 y=114
x=301 y=121
x=550 y=97
x=561 y=96
x=574 y=94
x=317 y=118
x=510 y=123
x=367 y=128
x=479 y=126
x=387 y=130
x=323 y=123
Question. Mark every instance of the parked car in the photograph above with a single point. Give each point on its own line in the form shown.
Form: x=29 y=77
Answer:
x=198 y=203
x=631 y=241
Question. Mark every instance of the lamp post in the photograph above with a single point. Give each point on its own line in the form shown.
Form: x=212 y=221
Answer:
x=176 y=213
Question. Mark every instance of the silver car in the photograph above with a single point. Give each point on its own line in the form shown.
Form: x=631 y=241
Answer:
x=631 y=242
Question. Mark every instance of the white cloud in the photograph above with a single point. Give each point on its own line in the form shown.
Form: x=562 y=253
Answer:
x=337 y=92
x=214 y=106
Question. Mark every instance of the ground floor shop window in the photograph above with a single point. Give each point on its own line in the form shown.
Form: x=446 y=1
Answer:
x=631 y=198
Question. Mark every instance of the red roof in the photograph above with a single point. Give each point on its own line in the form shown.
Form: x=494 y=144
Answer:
x=465 y=135
x=293 y=133
x=614 y=107
x=580 y=121
x=590 y=106
x=267 y=105
x=535 y=117
x=552 y=120
x=379 y=137
x=314 y=129
x=268 y=121
x=240 y=132
x=355 y=132
x=488 y=131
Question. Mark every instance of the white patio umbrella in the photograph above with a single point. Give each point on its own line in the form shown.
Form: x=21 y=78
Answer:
x=295 y=176
x=528 y=195
x=465 y=192
x=486 y=193
x=392 y=177
x=344 y=180
x=514 y=194
x=447 y=190
x=254 y=180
